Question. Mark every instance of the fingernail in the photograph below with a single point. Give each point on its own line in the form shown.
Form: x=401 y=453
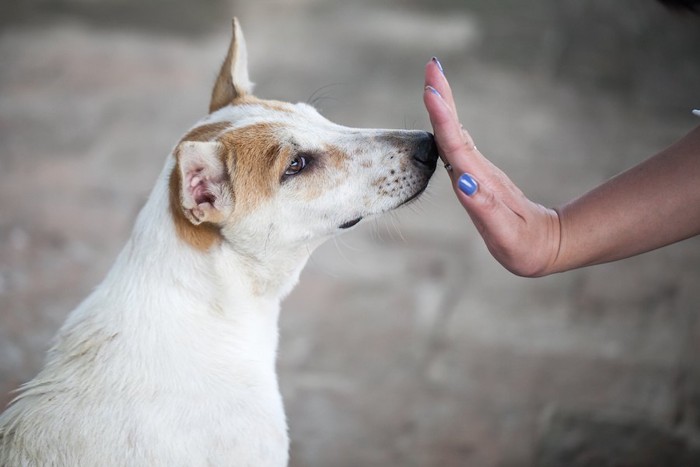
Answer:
x=433 y=90
x=439 y=65
x=467 y=184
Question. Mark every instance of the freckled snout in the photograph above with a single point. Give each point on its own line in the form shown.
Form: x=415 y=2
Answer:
x=426 y=152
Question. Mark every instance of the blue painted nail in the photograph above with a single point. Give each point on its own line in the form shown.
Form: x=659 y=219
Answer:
x=439 y=65
x=467 y=184
x=433 y=90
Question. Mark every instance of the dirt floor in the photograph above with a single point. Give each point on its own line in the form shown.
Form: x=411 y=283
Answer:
x=405 y=343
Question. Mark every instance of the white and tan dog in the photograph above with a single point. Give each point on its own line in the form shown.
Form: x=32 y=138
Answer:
x=171 y=361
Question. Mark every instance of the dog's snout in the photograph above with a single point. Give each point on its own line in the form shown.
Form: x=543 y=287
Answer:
x=426 y=152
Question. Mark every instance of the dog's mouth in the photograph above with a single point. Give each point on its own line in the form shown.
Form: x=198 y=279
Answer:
x=354 y=222
x=351 y=223
x=413 y=196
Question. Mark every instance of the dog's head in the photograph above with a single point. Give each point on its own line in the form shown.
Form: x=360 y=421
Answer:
x=266 y=174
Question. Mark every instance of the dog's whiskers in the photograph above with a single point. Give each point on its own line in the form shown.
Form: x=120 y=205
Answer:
x=387 y=228
x=324 y=269
x=340 y=251
x=319 y=265
x=395 y=224
x=376 y=231
x=347 y=245
x=319 y=94
x=406 y=126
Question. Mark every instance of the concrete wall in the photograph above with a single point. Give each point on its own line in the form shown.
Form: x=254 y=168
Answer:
x=405 y=342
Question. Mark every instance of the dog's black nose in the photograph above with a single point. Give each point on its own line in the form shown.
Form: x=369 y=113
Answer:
x=426 y=151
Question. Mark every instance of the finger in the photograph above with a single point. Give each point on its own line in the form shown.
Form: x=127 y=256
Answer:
x=454 y=143
x=435 y=77
x=446 y=127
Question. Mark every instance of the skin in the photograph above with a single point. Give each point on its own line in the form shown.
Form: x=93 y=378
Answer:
x=650 y=205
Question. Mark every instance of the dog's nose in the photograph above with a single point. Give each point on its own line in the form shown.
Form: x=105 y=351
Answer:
x=426 y=151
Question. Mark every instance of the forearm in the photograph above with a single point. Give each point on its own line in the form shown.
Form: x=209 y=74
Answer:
x=646 y=207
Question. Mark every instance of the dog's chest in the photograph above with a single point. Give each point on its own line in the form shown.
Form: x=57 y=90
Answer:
x=245 y=430
x=211 y=406
x=187 y=390
x=164 y=426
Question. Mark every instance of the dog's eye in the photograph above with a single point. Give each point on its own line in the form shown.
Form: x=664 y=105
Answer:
x=296 y=166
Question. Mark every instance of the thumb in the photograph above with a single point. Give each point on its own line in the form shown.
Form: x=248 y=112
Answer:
x=467 y=184
x=491 y=216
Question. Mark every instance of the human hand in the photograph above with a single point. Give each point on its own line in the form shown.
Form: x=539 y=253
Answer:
x=522 y=235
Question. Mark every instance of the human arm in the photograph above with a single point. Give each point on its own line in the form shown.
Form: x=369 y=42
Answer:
x=650 y=205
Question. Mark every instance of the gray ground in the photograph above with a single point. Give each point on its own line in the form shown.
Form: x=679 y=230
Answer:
x=405 y=343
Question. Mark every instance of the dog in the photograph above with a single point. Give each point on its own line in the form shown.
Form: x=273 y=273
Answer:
x=171 y=360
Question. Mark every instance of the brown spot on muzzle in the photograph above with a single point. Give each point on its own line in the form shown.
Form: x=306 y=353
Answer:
x=336 y=157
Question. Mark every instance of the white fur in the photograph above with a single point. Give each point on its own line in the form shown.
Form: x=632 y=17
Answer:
x=171 y=360
x=166 y=363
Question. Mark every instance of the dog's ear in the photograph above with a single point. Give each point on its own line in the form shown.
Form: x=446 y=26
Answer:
x=205 y=193
x=232 y=81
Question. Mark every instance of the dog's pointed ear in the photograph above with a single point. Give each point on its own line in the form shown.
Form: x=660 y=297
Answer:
x=205 y=193
x=232 y=81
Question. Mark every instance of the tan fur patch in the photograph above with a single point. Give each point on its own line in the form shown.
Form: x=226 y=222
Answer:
x=335 y=157
x=259 y=160
x=278 y=106
x=333 y=163
x=203 y=236
x=207 y=132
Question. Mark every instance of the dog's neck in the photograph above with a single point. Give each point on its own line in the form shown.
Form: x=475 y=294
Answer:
x=169 y=284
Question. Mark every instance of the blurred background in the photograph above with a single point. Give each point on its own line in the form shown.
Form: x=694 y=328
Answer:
x=405 y=343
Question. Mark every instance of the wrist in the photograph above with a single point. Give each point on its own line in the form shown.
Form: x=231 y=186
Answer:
x=536 y=250
x=552 y=249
